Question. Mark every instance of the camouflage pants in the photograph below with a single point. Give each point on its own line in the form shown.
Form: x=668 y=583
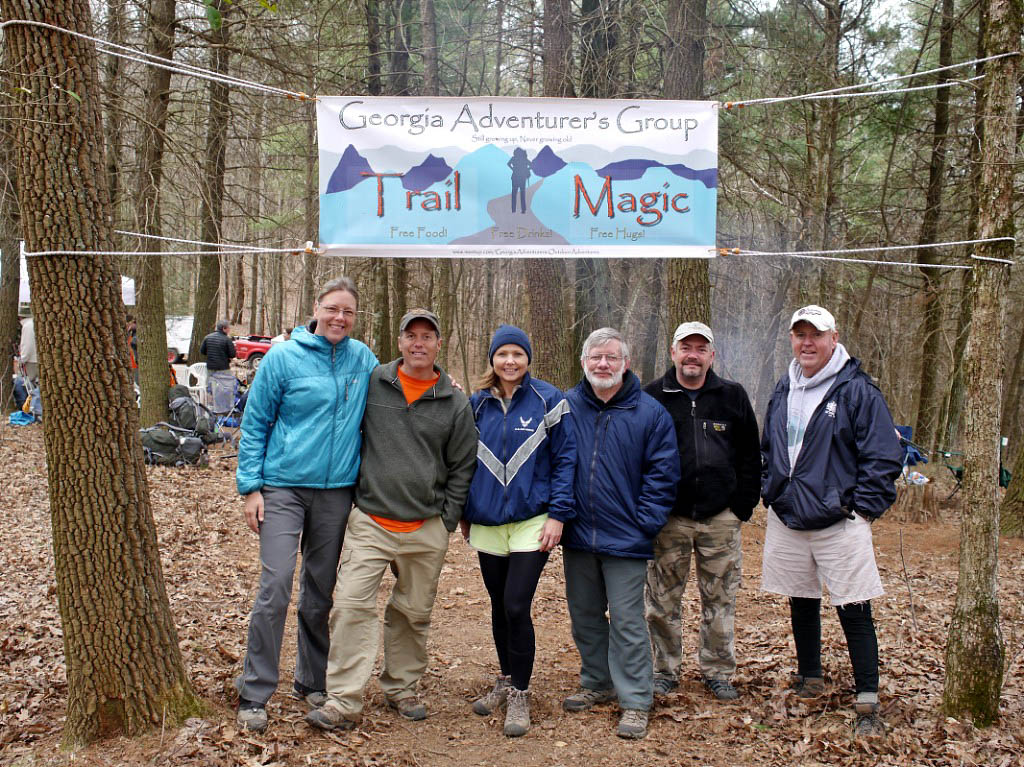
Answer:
x=716 y=543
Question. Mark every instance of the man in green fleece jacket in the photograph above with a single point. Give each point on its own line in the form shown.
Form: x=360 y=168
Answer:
x=418 y=458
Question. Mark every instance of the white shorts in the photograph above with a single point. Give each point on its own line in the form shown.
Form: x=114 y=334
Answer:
x=841 y=557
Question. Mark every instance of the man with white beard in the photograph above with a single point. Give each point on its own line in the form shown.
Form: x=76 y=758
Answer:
x=625 y=485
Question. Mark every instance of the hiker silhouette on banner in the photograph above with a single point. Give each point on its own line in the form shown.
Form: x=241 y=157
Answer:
x=521 y=167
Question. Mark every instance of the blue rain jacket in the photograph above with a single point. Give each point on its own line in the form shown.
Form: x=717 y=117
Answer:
x=626 y=471
x=302 y=419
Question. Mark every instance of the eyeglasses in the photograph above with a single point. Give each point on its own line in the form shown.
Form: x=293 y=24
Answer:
x=613 y=359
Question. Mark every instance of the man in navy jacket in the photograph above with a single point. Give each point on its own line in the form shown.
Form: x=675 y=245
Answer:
x=830 y=458
x=624 y=487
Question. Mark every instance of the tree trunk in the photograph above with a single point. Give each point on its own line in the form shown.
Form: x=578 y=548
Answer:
x=974 y=653
x=383 y=341
x=687 y=280
x=932 y=371
x=10 y=266
x=211 y=213
x=428 y=23
x=552 y=359
x=152 y=333
x=124 y=668
x=399 y=301
x=311 y=260
x=114 y=89
x=374 y=86
x=401 y=35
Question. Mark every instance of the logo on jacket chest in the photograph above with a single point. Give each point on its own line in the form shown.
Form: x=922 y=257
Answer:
x=524 y=424
x=830 y=409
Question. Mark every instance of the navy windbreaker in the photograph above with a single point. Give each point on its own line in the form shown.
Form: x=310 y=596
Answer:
x=525 y=457
x=849 y=459
x=626 y=472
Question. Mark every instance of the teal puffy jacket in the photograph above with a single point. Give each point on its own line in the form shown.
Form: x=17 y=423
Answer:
x=302 y=419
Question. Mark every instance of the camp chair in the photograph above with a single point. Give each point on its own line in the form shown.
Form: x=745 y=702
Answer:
x=954 y=461
x=224 y=390
x=198 y=390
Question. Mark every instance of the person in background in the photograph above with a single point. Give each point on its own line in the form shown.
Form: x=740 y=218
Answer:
x=218 y=348
x=521 y=496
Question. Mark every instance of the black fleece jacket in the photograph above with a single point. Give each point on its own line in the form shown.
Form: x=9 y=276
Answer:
x=719 y=446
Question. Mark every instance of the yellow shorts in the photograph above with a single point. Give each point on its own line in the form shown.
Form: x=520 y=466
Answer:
x=502 y=540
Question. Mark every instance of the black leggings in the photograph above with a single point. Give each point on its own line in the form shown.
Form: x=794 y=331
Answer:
x=511 y=581
x=859 y=628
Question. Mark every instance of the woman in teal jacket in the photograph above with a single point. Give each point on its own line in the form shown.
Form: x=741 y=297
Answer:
x=297 y=467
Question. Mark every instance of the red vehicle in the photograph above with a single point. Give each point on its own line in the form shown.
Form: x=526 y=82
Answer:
x=251 y=349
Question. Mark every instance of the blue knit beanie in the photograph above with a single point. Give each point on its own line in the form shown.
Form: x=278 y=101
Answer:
x=509 y=334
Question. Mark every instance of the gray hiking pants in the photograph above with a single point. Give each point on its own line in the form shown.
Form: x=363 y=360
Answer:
x=616 y=652
x=294 y=518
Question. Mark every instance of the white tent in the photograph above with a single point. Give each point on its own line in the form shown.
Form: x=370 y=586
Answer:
x=24 y=294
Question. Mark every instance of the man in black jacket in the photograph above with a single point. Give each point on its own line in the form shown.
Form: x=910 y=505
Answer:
x=720 y=461
x=218 y=348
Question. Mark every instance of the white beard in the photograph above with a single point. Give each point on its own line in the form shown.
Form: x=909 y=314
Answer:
x=605 y=383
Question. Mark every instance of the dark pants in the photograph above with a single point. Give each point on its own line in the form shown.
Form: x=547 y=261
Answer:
x=511 y=582
x=294 y=518
x=861 y=641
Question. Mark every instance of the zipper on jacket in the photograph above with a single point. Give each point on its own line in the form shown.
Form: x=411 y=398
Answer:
x=334 y=412
x=696 y=442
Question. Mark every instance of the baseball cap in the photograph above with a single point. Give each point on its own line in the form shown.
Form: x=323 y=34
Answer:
x=419 y=314
x=821 y=318
x=693 y=329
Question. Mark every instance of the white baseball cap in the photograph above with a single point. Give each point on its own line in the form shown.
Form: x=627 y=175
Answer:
x=692 y=329
x=821 y=318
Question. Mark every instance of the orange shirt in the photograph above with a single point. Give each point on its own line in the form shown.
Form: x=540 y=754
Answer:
x=413 y=389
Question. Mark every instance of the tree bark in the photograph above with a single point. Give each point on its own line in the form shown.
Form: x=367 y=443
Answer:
x=687 y=280
x=10 y=266
x=211 y=212
x=428 y=23
x=124 y=668
x=932 y=370
x=374 y=85
x=974 y=652
x=383 y=341
x=1011 y=513
x=152 y=333
x=311 y=260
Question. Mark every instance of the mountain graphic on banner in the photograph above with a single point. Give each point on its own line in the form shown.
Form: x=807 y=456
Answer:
x=546 y=163
x=349 y=171
x=630 y=170
x=428 y=172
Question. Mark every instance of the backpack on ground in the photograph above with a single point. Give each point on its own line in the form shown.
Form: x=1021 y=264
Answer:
x=188 y=414
x=162 y=445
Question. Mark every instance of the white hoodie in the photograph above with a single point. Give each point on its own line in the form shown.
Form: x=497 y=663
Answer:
x=805 y=394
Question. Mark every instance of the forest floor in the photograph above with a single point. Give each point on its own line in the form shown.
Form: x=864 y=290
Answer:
x=211 y=567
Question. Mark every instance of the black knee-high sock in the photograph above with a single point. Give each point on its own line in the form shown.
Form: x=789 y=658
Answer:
x=805 y=618
x=862 y=643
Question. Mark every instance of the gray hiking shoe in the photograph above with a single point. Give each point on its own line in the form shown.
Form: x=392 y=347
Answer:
x=517 y=715
x=632 y=724
x=315 y=698
x=585 y=698
x=807 y=687
x=869 y=724
x=663 y=685
x=251 y=716
x=330 y=718
x=721 y=689
x=490 y=702
x=410 y=708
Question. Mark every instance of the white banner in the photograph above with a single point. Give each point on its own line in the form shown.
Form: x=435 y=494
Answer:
x=485 y=177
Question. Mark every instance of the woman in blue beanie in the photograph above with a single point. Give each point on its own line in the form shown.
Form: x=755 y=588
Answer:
x=521 y=495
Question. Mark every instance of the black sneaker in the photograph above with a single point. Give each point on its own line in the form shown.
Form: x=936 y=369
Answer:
x=315 y=698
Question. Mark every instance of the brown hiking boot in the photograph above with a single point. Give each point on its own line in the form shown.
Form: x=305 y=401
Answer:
x=807 y=687
x=869 y=724
x=632 y=724
x=585 y=698
x=517 y=715
x=329 y=718
x=409 y=707
x=490 y=702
